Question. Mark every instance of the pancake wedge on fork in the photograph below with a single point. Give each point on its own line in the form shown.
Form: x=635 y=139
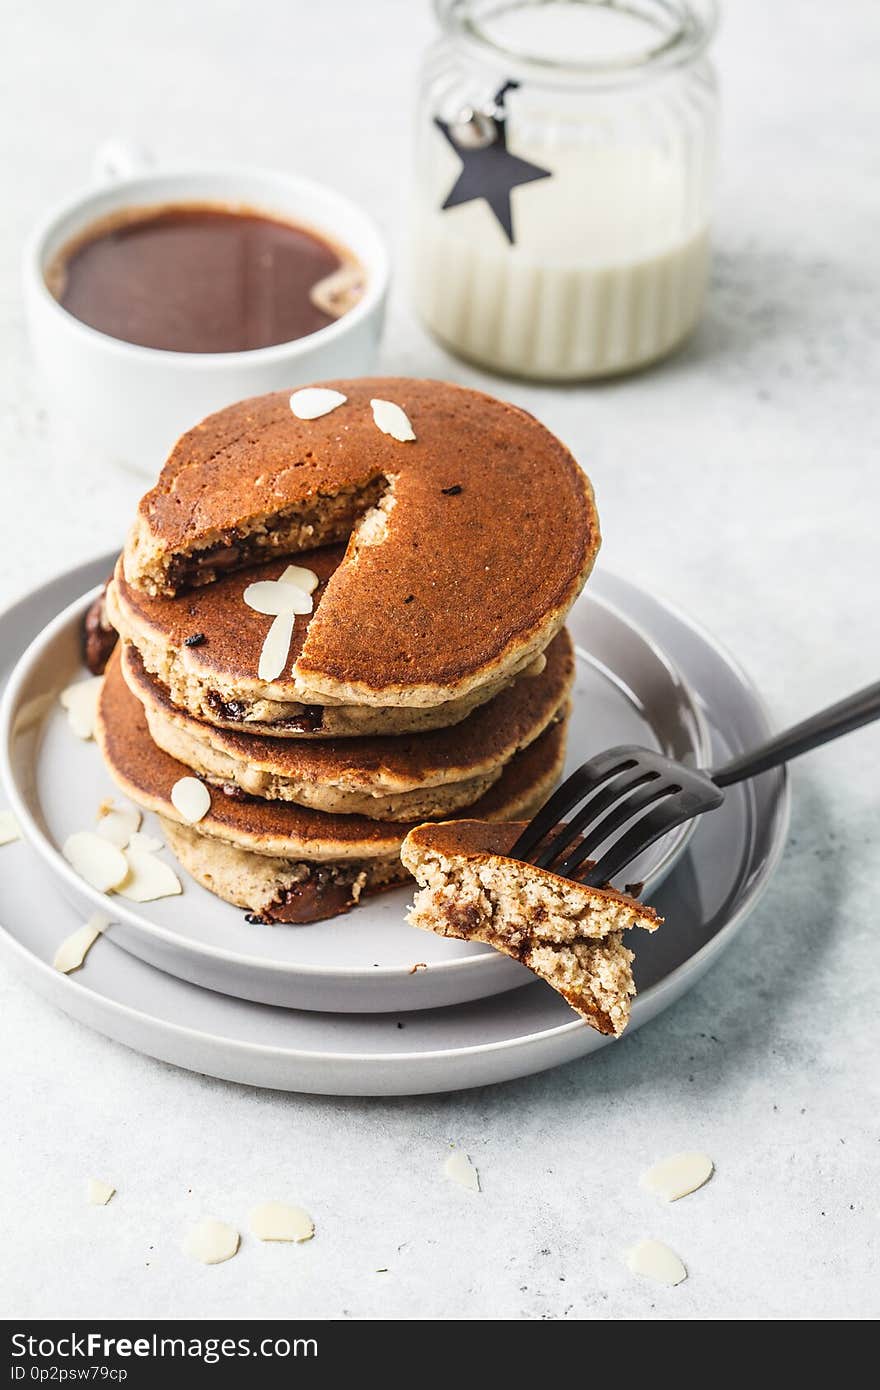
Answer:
x=567 y=933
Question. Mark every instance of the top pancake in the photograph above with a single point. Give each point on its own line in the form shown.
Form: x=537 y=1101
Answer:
x=484 y=535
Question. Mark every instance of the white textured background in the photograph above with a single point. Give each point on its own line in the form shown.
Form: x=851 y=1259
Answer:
x=742 y=480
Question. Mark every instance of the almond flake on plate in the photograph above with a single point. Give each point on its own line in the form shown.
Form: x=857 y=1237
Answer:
x=95 y=859
x=278 y=1221
x=191 y=798
x=99 y=1193
x=148 y=878
x=276 y=648
x=654 y=1260
x=677 y=1175
x=9 y=828
x=81 y=702
x=147 y=844
x=392 y=420
x=211 y=1242
x=314 y=401
x=74 y=948
x=118 y=823
x=458 y=1168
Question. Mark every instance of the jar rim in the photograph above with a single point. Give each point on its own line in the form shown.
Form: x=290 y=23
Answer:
x=691 y=27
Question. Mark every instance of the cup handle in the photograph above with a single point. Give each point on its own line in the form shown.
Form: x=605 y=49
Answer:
x=116 y=160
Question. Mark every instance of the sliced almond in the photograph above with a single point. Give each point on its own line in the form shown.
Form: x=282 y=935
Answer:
x=95 y=859
x=191 y=798
x=9 y=828
x=304 y=579
x=392 y=420
x=118 y=823
x=276 y=648
x=278 y=1221
x=654 y=1260
x=74 y=948
x=99 y=1193
x=81 y=702
x=148 y=878
x=274 y=597
x=148 y=844
x=458 y=1168
x=211 y=1242
x=313 y=401
x=678 y=1175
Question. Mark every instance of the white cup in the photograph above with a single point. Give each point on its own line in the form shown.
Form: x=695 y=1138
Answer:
x=113 y=402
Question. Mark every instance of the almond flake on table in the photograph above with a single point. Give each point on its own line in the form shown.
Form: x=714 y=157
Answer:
x=118 y=823
x=99 y=1193
x=191 y=798
x=81 y=702
x=392 y=420
x=276 y=648
x=314 y=401
x=678 y=1175
x=74 y=948
x=211 y=1242
x=654 y=1260
x=148 y=878
x=9 y=828
x=278 y=1221
x=458 y=1168
x=95 y=859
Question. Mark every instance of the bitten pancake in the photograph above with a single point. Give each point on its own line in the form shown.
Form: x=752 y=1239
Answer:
x=566 y=932
x=426 y=775
x=204 y=646
x=469 y=544
x=306 y=842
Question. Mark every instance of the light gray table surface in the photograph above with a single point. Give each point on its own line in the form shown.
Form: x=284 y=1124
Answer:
x=742 y=480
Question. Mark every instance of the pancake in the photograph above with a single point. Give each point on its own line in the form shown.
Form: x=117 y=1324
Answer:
x=317 y=853
x=400 y=779
x=566 y=932
x=204 y=647
x=465 y=546
x=273 y=889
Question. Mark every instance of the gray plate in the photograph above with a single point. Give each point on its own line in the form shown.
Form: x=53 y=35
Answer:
x=705 y=900
x=626 y=691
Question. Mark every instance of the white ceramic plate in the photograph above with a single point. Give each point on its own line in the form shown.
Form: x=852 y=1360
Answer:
x=705 y=900
x=626 y=692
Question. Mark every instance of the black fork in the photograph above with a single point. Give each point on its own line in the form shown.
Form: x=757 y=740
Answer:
x=632 y=784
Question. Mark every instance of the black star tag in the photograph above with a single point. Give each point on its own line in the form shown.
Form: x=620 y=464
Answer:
x=490 y=171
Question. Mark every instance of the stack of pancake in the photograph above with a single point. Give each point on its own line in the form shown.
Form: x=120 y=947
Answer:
x=440 y=538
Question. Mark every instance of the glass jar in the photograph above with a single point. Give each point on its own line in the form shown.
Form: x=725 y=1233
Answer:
x=563 y=180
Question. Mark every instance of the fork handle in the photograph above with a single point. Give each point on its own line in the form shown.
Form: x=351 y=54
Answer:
x=848 y=714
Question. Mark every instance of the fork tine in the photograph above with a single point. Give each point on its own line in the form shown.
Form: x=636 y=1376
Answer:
x=659 y=789
x=585 y=778
x=672 y=812
x=602 y=796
